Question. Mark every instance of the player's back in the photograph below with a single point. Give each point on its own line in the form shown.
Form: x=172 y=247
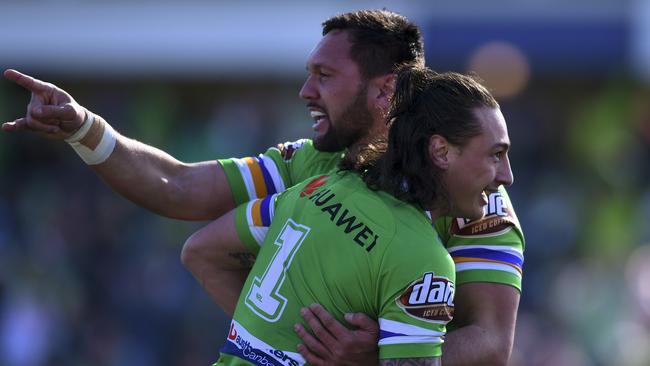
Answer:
x=336 y=243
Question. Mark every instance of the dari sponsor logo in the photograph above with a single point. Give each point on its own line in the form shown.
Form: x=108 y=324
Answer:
x=430 y=298
x=498 y=217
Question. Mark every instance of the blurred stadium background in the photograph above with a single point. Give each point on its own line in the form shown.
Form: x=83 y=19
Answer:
x=87 y=278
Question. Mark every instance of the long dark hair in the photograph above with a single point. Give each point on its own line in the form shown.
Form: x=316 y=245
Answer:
x=425 y=103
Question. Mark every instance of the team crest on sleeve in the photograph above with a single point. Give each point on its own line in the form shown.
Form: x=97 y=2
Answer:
x=289 y=148
x=430 y=298
x=499 y=218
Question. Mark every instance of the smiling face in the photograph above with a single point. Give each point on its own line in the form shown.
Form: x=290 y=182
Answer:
x=337 y=96
x=478 y=167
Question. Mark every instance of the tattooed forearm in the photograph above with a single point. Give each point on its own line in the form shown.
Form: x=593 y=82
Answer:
x=246 y=260
x=422 y=361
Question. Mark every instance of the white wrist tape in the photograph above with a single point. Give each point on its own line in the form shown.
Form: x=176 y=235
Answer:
x=94 y=141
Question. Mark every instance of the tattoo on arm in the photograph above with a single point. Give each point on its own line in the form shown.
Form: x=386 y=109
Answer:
x=246 y=260
x=420 y=361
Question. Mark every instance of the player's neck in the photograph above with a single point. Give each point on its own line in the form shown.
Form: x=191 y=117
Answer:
x=439 y=208
x=354 y=150
x=369 y=141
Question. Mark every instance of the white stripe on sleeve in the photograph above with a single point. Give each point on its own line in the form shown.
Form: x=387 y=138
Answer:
x=247 y=177
x=274 y=173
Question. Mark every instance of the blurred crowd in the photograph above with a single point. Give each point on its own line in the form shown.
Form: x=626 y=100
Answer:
x=88 y=278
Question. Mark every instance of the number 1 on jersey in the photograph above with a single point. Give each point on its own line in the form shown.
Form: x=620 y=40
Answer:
x=264 y=298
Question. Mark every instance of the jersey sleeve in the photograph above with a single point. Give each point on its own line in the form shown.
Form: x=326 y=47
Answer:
x=276 y=169
x=252 y=221
x=486 y=250
x=253 y=218
x=417 y=295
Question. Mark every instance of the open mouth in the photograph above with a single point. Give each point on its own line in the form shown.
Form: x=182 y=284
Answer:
x=320 y=120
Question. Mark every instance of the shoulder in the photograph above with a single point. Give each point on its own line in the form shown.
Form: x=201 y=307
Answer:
x=412 y=235
x=370 y=203
x=289 y=148
x=304 y=150
x=342 y=199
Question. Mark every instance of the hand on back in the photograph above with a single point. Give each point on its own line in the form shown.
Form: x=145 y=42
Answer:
x=331 y=343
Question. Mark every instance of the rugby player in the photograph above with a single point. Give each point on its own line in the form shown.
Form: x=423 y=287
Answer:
x=343 y=89
x=358 y=239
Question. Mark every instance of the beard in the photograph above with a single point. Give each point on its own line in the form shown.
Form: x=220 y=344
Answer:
x=350 y=127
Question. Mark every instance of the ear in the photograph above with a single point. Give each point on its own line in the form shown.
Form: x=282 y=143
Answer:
x=439 y=151
x=384 y=88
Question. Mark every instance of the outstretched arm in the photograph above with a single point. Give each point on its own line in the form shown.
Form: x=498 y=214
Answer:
x=145 y=175
x=219 y=261
x=158 y=182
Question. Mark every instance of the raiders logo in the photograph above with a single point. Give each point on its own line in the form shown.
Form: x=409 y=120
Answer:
x=430 y=298
x=499 y=217
x=289 y=148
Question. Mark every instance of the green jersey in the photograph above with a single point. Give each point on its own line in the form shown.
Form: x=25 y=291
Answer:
x=335 y=242
x=487 y=250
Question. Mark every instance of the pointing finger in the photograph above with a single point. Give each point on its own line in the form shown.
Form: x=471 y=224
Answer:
x=26 y=81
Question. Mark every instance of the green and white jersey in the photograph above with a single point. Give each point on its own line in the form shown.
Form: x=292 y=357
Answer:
x=277 y=169
x=335 y=242
x=487 y=250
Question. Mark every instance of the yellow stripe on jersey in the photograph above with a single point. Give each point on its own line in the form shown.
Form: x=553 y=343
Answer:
x=256 y=214
x=258 y=177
